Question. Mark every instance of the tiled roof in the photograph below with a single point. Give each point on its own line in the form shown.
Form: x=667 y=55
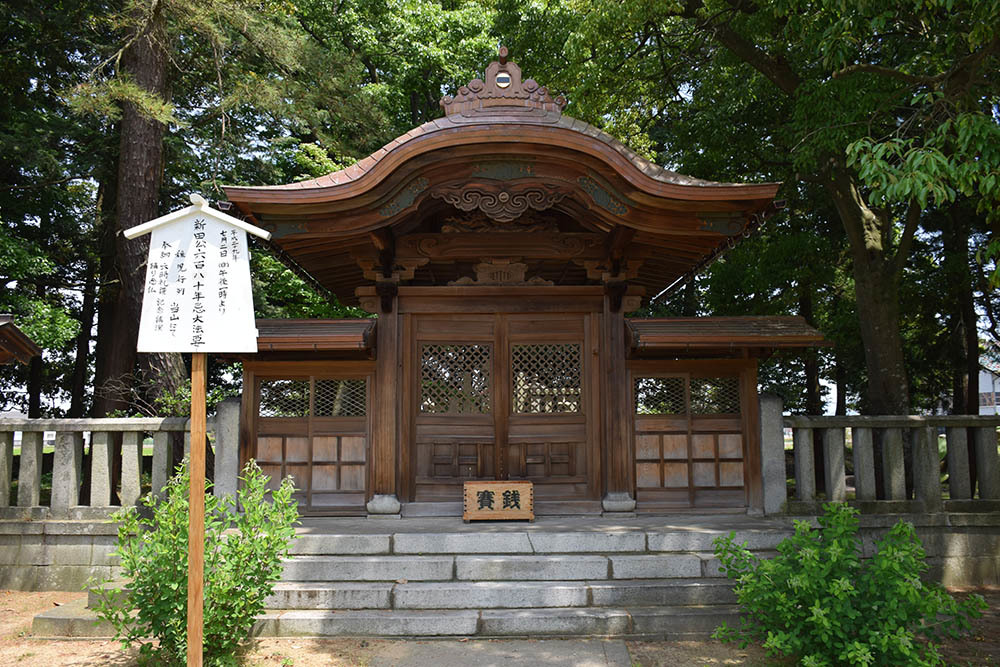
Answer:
x=721 y=332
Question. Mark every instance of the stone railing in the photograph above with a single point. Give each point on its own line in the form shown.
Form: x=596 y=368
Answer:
x=908 y=475
x=103 y=438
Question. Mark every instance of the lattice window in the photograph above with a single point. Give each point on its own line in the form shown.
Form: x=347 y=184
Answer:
x=545 y=378
x=715 y=395
x=284 y=398
x=659 y=396
x=341 y=398
x=455 y=379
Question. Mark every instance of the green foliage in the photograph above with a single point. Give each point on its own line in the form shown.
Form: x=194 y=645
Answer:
x=243 y=555
x=819 y=602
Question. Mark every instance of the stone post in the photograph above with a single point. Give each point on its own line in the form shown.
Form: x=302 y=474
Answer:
x=66 y=464
x=893 y=464
x=772 y=454
x=926 y=468
x=163 y=465
x=987 y=465
x=833 y=458
x=805 y=464
x=227 y=447
x=131 y=467
x=864 y=463
x=101 y=448
x=29 y=478
x=959 y=482
x=6 y=466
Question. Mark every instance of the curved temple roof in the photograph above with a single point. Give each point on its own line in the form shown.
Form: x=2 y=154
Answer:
x=504 y=148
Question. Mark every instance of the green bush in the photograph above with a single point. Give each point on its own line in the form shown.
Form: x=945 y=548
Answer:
x=243 y=555
x=819 y=602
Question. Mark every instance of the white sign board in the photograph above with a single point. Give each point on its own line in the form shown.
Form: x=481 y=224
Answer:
x=197 y=296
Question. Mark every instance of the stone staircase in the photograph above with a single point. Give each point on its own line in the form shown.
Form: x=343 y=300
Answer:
x=439 y=577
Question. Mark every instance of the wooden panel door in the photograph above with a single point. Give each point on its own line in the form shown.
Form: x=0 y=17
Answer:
x=547 y=400
x=315 y=429
x=452 y=364
x=690 y=449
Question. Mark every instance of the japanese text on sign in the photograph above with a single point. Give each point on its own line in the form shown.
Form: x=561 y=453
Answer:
x=498 y=500
x=197 y=295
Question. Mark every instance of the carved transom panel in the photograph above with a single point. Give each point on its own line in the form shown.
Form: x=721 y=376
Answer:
x=502 y=203
x=500 y=272
x=477 y=221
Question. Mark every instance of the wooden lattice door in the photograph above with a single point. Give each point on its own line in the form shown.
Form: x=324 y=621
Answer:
x=497 y=397
x=315 y=428
x=453 y=374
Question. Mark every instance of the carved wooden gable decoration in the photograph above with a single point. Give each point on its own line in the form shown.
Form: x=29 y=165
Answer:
x=504 y=189
x=502 y=87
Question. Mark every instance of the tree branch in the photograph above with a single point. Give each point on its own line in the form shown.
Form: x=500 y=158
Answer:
x=774 y=68
x=889 y=72
x=906 y=240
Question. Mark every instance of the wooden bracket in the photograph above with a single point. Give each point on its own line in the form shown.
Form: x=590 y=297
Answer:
x=615 y=289
x=385 y=244
x=615 y=246
x=387 y=291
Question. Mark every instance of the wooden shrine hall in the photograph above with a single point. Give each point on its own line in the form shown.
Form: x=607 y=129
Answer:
x=500 y=247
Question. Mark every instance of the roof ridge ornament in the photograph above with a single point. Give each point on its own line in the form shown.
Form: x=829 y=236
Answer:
x=502 y=87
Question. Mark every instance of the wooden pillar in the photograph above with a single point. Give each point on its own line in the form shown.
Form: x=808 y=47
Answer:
x=385 y=405
x=617 y=404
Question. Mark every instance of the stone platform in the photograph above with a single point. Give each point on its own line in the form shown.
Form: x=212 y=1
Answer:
x=641 y=576
x=558 y=577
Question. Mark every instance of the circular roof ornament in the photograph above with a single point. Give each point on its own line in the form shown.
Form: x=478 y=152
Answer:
x=503 y=79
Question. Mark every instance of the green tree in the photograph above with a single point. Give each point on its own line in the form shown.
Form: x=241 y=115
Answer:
x=810 y=84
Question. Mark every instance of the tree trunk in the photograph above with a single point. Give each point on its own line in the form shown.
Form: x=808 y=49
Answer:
x=876 y=279
x=78 y=383
x=35 y=369
x=814 y=398
x=840 y=377
x=35 y=388
x=689 y=305
x=139 y=173
x=163 y=373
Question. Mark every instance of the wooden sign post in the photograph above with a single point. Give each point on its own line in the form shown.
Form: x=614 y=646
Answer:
x=197 y=299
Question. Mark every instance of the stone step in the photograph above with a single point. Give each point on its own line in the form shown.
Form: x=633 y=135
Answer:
x=527 y=542
x=369 y=568
x=530 y=568
x=677 y=622
x=331 y=595
x=367 y=623
x=499 y=567
x=324 y=544
x=491 y=595
x=661 y=592
x=483 y=594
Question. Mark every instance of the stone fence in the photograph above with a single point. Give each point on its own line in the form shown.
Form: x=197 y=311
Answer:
x=104 y=438
x=896 y=463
